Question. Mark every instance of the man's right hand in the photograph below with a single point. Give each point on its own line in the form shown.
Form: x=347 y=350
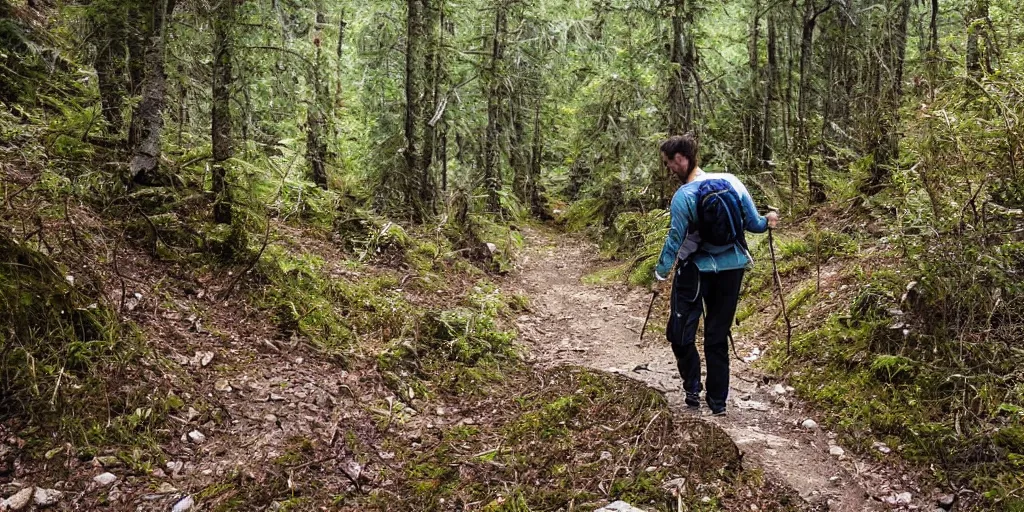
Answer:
x=773 y=219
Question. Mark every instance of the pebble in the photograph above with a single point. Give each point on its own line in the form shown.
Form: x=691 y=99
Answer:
x=183 y=504
x=19 y=500
x=197 y=437
x=946 y=501
x=618 y=506
x=105 y=478
x=46 y=497
x=222 y=386
x=836 y=451
x=779 y=389
x=809 y=424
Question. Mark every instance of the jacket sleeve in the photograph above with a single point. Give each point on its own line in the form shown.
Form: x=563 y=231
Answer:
x=752 y=221
x=680 y=212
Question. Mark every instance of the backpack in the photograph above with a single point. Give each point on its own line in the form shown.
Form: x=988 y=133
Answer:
x=719 y=216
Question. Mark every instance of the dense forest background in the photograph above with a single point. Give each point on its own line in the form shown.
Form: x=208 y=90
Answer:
x=218 y=141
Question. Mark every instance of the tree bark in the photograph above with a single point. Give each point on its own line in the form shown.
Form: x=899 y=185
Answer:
x=492 y=175
x=810 y=20
x=414 y=90
x=977 y=38
x=316 y=145
x=223 y=148
x=885 y=148
x=145 y=163
x=684 y=58
x=769 y=95
x=536 y=159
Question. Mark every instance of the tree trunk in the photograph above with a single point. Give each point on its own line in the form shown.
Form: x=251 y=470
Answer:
x=145 y=163
x=221 y=114
x=977 y=38
x=680 y=91
x=769 y=95
x=536 y=162
x=751 y=125
x=492 y=175
x=316 y=145
x=933 y=42
x=810 y=20
x=434 y=69
x=414 y=89
x=885 y=148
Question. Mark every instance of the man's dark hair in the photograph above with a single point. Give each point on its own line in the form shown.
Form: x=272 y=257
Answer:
x=681 y=144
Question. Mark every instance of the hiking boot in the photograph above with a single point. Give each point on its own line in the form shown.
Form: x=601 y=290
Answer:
x=718 y=412
x=692 y=400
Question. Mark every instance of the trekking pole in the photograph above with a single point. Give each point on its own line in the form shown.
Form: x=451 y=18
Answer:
x=778 y=285
x=646 y=319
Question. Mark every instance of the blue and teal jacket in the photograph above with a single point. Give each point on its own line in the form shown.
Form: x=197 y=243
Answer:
x=681 y=243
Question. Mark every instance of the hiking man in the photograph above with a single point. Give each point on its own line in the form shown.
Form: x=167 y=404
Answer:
x=706 y=240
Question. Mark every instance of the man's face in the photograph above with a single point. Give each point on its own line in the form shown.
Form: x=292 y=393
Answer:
x=678 y=164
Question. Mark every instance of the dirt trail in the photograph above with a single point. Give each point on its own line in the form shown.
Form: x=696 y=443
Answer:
x=598 y=327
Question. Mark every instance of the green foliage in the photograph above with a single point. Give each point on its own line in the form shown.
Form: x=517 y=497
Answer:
x=330 y=312
x=58 y=343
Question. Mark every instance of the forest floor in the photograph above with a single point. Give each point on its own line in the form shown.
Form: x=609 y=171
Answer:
x=599 y=325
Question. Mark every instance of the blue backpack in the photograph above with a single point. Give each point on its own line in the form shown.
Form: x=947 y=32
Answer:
x=719 y=216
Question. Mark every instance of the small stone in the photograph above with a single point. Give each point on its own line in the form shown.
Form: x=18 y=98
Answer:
x=904 y=498
x=605 y=456
x=222 y=386
x=809 y=424
x=276 y=398
x=105 y=478
x=175 y=467
x=836 y=451
x=881 y=447
x=299 y=360
x=779 y=389
x=651 y=469
x=20 y=499
x=183 y=505
x=270 y=418
x=618 y=506
x=834 y=480
x=205 y=358
x=196 y=437
x=440 y=411
x=166 y=488
x=946 y=501
x=46 y=497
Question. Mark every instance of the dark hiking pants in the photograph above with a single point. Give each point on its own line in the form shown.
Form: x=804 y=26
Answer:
x=693 y=292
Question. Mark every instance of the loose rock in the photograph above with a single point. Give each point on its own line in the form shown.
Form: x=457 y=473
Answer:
x=46 y=497
x=19 y=501
x=184 y=504
x=105 y=478
x=197 y=437
x=809 y=424
x=618 y=506
x=836 y=451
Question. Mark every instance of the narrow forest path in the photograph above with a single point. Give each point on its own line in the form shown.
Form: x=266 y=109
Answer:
x=598 y=326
